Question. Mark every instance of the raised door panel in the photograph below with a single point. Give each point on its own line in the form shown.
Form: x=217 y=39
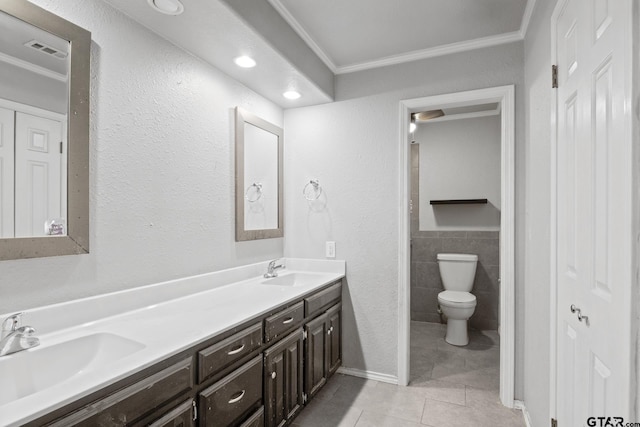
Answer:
x=316 y=363
x=334 y=352
x=283 y=380
x=38 y=173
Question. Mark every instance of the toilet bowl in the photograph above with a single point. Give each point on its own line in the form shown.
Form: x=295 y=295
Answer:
x=457 y=272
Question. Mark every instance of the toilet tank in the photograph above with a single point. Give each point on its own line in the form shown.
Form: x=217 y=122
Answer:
x=457 y=271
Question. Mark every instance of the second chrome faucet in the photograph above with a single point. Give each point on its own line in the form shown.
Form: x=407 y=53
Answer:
x=272 y=269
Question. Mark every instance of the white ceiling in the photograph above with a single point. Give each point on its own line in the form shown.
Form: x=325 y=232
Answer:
x=347 y=35
x=360 y=34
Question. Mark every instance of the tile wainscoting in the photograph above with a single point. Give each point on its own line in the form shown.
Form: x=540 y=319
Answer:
x=425 y=275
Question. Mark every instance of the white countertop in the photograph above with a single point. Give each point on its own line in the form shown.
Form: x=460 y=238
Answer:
x=166 y=318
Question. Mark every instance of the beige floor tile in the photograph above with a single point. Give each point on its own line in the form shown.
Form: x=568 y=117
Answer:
x=371 y=419
x=440 y=390
x=323 y=413
x=387 y=399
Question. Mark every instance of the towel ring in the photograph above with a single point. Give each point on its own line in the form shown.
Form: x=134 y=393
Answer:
x=312 y=190
x=254 y=196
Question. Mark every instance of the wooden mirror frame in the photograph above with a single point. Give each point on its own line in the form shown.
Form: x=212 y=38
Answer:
x=242 y=234
x=76 y=241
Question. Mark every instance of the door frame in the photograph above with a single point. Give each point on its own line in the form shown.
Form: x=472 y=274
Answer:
x=505 y=95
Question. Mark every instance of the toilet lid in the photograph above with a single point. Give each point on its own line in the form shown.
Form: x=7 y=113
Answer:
x=457 y=297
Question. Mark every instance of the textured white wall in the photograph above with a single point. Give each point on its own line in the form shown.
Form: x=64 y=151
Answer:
x=161 y=185
x=352 y=147
x=460 y=159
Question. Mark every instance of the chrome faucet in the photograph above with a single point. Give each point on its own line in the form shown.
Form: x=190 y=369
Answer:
x=14 y=338
x=271 y=269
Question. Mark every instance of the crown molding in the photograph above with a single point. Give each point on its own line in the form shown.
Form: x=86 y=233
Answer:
x=298 y=28
x=432 y=52
x=25 y=65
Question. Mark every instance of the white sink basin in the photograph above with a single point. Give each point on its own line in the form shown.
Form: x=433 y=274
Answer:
x=294 y=279
x=33 y=370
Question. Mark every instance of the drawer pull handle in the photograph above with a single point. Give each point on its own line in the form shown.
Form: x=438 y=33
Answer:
x=236 y=350
x=238 y=397
x=287 y=320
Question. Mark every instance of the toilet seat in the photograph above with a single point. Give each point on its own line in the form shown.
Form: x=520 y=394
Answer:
x=457 y=299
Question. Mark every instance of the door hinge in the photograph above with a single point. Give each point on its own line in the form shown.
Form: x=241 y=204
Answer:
x=554 y=76
x=60 y=147
x=304 y=397
x=554 y=422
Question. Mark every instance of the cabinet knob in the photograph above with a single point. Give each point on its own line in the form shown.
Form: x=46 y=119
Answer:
x=273 y=375
x=329 y=332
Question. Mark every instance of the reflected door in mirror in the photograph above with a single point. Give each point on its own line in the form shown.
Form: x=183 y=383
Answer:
x=35 y=179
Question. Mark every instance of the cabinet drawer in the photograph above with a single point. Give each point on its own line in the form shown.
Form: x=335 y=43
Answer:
x=131 y=403
x=256 y=420
x=323 y=298
x=232 y=397
x=222 y=354
x=181 y=416
x=283 y=321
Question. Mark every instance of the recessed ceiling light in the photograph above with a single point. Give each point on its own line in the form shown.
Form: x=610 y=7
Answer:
x=245 y=62
x=291 y=94
x=168 y=7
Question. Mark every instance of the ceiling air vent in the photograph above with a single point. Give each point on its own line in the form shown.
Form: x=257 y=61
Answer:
x=45 y=48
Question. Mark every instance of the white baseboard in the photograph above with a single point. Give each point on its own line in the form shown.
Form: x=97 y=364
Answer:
x=518 y=404
x=369 y=375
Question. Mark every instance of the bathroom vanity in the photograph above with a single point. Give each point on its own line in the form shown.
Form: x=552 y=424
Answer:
x=279 y=344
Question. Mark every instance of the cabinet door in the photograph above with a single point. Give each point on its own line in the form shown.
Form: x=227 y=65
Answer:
x=283 y=380
x=316 y=355
x=334 y=351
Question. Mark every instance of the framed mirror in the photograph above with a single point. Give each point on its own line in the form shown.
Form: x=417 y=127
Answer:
x=44 y=133
x=259 y=203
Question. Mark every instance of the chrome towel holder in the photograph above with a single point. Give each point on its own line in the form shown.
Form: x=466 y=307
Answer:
x=312 y=190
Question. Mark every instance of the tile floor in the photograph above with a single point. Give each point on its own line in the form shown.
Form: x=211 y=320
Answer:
x=450 y=386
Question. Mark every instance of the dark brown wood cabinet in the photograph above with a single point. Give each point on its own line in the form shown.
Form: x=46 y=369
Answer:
x=323 y=349
x=229 y=401
x=182 y=416
x=258 y=374
x=283 y=392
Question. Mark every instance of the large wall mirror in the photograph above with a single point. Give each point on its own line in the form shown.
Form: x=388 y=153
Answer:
x=259 y=202
x=44 y=133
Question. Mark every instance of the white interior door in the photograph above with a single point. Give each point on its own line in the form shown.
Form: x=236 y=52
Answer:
x=594 y=230
x=7 y=119
x=38 y=173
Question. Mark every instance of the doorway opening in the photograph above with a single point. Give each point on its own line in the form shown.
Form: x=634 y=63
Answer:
x=464 y=103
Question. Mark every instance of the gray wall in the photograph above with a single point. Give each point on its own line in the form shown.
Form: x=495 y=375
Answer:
x=161 y=168
x=425 y=275
x=352 y=147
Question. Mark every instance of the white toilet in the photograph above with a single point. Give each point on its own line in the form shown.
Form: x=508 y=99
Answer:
x=456 y=301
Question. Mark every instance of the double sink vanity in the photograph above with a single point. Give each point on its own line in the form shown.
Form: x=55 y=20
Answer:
x=229 y=348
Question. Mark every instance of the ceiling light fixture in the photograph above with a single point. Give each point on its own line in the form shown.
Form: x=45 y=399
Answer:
x=168 y=7
x=291 y=94
x=245 y=62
